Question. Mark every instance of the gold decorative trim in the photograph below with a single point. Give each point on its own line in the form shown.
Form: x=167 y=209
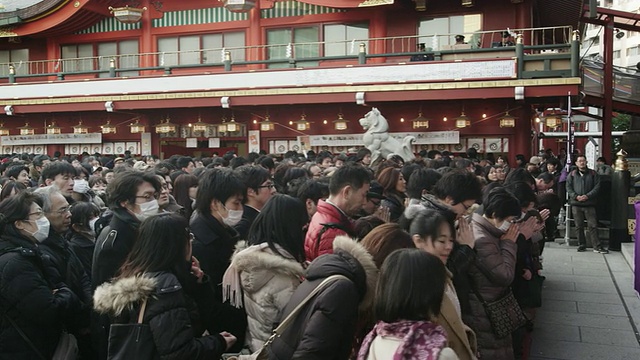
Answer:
x=49 y=12
x=375 y=3
x=7 y=32
x=300 y=91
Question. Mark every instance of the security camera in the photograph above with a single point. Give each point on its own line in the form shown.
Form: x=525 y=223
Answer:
x=108 y=105
x=619 y=34
x=8 y=110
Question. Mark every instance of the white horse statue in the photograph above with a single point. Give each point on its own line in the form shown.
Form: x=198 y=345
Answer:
x=379 y=142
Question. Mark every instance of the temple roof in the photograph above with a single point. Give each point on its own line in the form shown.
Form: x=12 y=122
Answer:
x=12 y=5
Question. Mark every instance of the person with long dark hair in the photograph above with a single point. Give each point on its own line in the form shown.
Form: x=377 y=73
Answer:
x=168 y=282
x=185 y=189
x=33 y=308
x=270 y=269
x=394 y=186
x=408 y=298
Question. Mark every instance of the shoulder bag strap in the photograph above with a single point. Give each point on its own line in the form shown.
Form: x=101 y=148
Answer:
x=291 y=317
x=474 y=286
x=142 y=310
x=24 y=336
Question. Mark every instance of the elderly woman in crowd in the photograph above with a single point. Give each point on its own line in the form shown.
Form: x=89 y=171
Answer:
x=34 y=308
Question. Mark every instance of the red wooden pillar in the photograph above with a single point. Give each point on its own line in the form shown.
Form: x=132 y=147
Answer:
x=607 y=109
x=524 y=19
x=521 y=138
x=378 y=29
x=255 y=38
x=146 y=40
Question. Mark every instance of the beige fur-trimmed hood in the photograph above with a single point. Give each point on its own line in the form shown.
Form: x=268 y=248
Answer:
x=353 y=248
x=114 y=298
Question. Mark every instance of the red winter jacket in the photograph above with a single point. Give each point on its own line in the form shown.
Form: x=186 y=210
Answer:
x=339 y=224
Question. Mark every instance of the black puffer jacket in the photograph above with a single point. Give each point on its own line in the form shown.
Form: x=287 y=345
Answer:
x=70 y=269
x=395 y=203
x=28 y=298
x=169 y=313
x=83 y=247
x=113 y=246
x=325 y=327
x=213 y=247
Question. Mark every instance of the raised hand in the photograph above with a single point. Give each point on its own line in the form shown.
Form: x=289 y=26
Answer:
x=511 y=234
x=465 y=233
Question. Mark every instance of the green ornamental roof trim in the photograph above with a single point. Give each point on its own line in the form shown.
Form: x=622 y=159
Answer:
x=295 y=8
x=198 y=16
x=109 y=24
x=212 y=15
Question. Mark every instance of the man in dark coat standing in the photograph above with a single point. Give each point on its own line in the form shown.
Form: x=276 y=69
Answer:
x=583 y=186
x=132 y=195
x=218 y=210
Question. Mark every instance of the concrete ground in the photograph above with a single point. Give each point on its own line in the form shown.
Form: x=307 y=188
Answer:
x=589 y=309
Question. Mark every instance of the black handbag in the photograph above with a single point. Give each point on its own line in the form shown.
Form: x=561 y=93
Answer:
x=131 y=341
x=505 y=314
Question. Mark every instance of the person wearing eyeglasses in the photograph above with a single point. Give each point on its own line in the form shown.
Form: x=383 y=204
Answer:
x=33 y=306
x=168 y=287
x=68 y=267
x=259 y=189
x=132 y=198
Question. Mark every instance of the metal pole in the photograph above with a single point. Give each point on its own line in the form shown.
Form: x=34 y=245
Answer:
x=362 y=54
x=575 y=53
x=227 y=61
x=112 y=67
x=520 y=54
x=620 y=186
x=570 y=139
x=12 y=74
x=607 y=109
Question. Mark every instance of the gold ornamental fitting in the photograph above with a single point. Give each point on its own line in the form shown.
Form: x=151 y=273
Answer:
x=622 y=164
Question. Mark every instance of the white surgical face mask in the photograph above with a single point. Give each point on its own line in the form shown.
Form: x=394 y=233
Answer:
x=147 y=209
x=42 y=232
x=80 y=186
x=504 y=227
x=92 y=226
x=233 y=217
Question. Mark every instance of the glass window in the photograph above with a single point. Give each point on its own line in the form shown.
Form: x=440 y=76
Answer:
x=305 y=44
x=168 y=51
x=189 y=50
x=18 y=58
x=200 y=49
x=235 y=43
x=79 y=57
x=129 y=56
x=212 y=48
x=436 y=32
x=339 y=39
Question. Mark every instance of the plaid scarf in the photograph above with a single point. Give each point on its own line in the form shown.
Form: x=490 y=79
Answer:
x=420 y=339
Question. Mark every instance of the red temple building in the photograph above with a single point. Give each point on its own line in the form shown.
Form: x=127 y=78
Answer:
x=203 y=76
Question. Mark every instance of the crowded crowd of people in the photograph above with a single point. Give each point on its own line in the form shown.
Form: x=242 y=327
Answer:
x=436 y=258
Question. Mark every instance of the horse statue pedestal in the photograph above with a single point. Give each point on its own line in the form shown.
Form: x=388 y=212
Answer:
x=379 y=142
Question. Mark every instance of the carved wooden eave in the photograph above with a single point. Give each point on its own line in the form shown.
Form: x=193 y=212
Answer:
x=56 y=17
